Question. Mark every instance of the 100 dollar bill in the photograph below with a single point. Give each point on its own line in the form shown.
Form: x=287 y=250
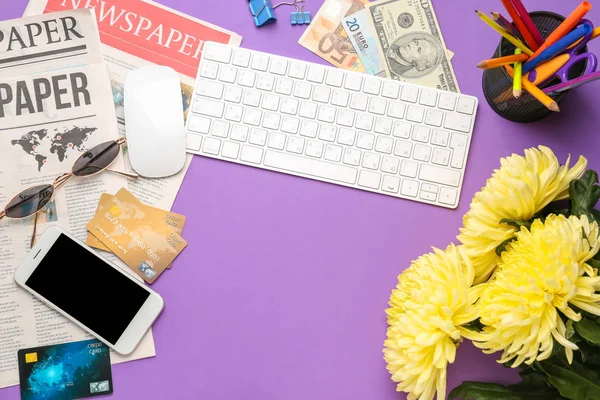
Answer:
x=325 y=36
x=410 y=43
x=360 y=34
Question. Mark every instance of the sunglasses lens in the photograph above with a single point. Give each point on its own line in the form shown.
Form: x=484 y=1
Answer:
x=96 y=159
x=29 y=201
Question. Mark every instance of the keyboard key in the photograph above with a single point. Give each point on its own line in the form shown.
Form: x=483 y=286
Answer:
x=372 y=85
x=334 y=77
x=390 y=184
x=321 y=94
x=316 y=74
x=422 y=152
x=258 y=137
x=193 y=142
x=309 y=129
x=327 y=133
x=427 y=196
x=199 y=124
x=295 y=145
x=346 y=136
x=466 y=105
x=353 y=82
x=276 y=140
x=434 y=117
x=383 y=125
x=421 y=133
x=297 y=70
x=352 y=156
x=314 y=149
x=439 y=138
x=246 y=78
x=396 y=109
x=345 y=118
x=403 y=148
x=444 y=176
x=365 y=141
x=326 y=114
x=308 y=110
x=358 y=101
x=458 y=122
x=377 y=105
x=278 y=66
x=410 y=93
x=209 y=70
x=440 y=156
x=303 y=90
x=252 y=98
x=271 y=121
x=458 y=143
x=220 y=129
x=409 y=168
x=239 y=133
x=241 y=58
x=265 y=82
x=447 y=101
x=428 y=187
x=230 y=150
x=290 y=125
x=311 y=167
x=391 y=89
x=364 y=122
x=211 y=145
x=409 y=188
x=384 y=144
x=371 y=161
x=340 y=98
x=208 y=107
x=390 y=165
x=228 y=74
x=289 y=106
x=415 y=113
x=260 y=62
x=402 y=129
x=369 y=179
x=270 y=102
x=233 y=94
x=284 y=86
x=233 y=112
x=428 y=97
x=252 y=117
x=448 y=196
x=217 y=53
x=333 y=153
x=251 y=154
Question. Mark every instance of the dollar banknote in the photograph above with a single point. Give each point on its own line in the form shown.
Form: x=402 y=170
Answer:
x=326 y=37
x=361 y=35
x=410 y=43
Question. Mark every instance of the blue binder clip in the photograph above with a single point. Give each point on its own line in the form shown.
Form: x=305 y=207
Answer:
x=263 y=12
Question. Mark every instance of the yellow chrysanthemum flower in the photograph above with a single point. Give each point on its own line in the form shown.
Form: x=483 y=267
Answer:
x=542 y=273
x=519 y=189
x=431 y=302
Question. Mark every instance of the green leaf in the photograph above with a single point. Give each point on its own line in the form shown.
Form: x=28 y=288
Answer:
x=575 y=381
x=584 y=193
x=474 y=325
x=515 y=223
x=533 y=387
x=589 y=330
x=503 y=245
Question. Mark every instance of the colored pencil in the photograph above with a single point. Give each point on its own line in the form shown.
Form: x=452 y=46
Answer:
x=548 y=69
x=536 y=92
x=573 y=83
x=518 y=76
x=502 y=61
x=567 y=26
x=520 y=24
x=504 y=33
x=524 y=14
x=506 y=24
x=558 y=47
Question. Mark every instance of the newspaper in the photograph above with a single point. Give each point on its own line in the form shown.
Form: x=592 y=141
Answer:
x=136 y=33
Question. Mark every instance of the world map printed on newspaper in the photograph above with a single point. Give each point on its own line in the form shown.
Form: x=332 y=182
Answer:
x=38 y=143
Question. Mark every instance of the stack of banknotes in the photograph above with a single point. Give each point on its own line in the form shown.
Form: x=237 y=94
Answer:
x=398 y=39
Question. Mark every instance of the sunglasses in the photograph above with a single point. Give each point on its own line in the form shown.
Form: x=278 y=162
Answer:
x=30 y=201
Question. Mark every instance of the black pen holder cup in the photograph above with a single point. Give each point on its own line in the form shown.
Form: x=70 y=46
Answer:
x=498 y=85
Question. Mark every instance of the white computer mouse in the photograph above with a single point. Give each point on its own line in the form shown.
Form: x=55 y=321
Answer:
x=154 y=121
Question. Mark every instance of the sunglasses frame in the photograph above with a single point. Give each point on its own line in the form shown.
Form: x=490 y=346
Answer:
x=61 y=180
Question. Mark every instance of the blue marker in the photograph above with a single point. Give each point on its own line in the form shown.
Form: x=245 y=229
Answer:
x=558 y=47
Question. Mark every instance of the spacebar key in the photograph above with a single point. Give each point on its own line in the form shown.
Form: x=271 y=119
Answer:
x=310 y=167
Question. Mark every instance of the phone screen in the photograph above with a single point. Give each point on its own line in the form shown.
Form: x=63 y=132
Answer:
x=87 y=288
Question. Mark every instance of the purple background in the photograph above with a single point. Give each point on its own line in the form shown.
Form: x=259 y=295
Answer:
x=282 y=289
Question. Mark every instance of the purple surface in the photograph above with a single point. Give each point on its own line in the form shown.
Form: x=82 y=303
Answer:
x=282 y=290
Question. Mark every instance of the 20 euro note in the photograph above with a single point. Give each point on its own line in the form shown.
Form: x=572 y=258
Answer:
x=361 y=35
x=410 y=43
x=326 y=37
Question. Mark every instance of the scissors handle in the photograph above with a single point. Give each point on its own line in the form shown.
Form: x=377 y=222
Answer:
x=591 y=63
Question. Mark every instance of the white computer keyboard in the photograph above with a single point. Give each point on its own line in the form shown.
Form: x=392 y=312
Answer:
x=331 y=125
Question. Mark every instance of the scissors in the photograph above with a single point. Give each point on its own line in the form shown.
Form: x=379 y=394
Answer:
x=561 y=66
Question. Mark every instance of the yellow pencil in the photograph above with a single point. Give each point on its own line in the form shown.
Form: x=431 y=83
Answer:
x=536 y=92
x=504 y=33
x=518 y=77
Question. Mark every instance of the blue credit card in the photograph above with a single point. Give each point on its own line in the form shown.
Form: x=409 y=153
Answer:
x=65 y=371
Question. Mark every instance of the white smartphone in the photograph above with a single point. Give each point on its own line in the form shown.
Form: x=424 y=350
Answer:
x=89 y=290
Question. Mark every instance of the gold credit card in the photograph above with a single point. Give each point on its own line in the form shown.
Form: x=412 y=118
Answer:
x=174 y=220
x=146 y=244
